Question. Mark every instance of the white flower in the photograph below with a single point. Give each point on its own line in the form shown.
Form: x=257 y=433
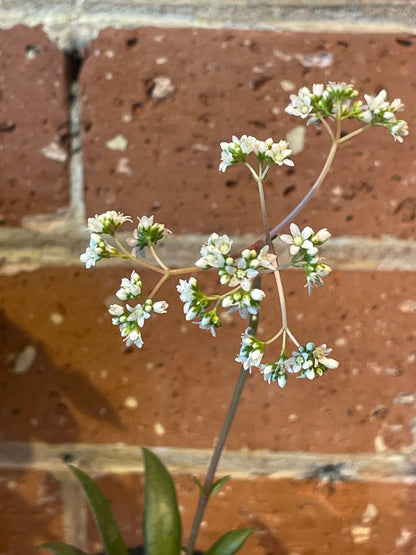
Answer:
x=320 y=236
x=311 y=361
x=214 y=252
x=275 y=371
x=116 y=310
x=90 y=256
x=145 y=222
x=138 y=314
x=160 y=307
x=317 y=89
x=187 y=290
x=245 y=302
x=377 y=103
x=130 y=288
x=279 y=153
x=399 y=129
x=251 y=352
x=227 y=157
x=107 y=222
x=132 y=335
x=97 y=250
x=300 y=104
x=299 y=239
x=246 y=143
x=314 y=276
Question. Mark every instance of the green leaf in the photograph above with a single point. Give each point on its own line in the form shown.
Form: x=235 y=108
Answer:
x=200 y=486
x=103 y=514
x=161 y=521
x=230 y=543
x=218 y=484
x=62 y=549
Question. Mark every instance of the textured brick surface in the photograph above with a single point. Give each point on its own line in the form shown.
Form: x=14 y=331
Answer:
x=84 y=384
x=30 y=508
x=33 y=125
x=233 y=83
x=304 y=518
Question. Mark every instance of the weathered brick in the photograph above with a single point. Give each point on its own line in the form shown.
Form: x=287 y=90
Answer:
x=232 y=82
x=294 y=517
x=31 y=511
x=33 y=125
x=84 y=384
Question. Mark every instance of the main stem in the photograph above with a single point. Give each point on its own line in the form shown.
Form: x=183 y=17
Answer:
x=209 y=480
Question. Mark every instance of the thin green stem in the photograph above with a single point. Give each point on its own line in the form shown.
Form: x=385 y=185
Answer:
x=353 y=134
x=279 y=285
x=264 y=212
x=156 y=257
x=138 y=260
x=292 y=337
x=158 y=285
x=209 y=480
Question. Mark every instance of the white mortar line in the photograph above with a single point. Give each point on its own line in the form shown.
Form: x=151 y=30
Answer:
x=26 y=249
x=76 y=23
x=76 y=213
x=100 y=459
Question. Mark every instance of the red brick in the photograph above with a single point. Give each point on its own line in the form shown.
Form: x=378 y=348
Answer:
x=294 y=517
x=229 y=82
x=33 y=114
x=31 y=512
x=183 y=378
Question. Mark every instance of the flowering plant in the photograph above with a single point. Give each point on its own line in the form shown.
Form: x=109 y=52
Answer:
x=240 y=291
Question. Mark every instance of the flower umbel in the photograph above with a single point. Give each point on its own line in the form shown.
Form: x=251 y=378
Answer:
x=304 y=250
x=146 y=234
x=97 y=249
x=251 y=352
x=130 y=288
x=311 y=361
x=276 y=371
x=238 y=150
x=131 y=318
x=108 y=222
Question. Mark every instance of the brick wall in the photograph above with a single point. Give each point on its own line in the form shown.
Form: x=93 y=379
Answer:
x=324 y=467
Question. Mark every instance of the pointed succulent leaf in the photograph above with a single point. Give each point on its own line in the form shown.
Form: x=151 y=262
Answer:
x=103 y=514
x=218 y=484
x=200 y=487
x=161 y=521
x=230 y=542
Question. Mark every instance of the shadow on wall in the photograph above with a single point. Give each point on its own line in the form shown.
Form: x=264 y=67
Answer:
x=30 y=501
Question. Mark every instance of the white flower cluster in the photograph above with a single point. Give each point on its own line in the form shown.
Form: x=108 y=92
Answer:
x=238 y=150
x=304 y=250
x=146 y=234
x=108 y=222
x=379 y=111
x=130 y=288
x=131 y=318
x=102 y=224
x=195 y=305
x=336 y=99
x=251 y=352
x=97 y=250
x=309 y=360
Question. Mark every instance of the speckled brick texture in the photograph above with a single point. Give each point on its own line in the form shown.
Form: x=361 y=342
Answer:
x=155 y=105
x=290 y=517
x=239 y=82
x=33 y=125
x=31 y=511
x=85 y=386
